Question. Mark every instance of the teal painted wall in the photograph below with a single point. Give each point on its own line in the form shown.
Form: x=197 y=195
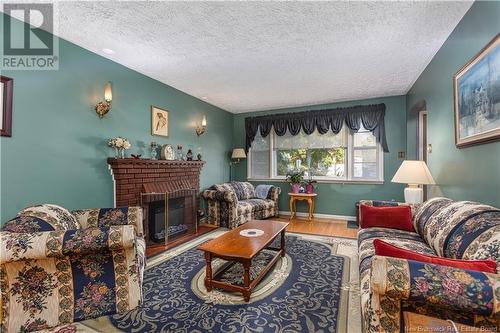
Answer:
x=58 y=150
x=471 y=173
x=336 y=198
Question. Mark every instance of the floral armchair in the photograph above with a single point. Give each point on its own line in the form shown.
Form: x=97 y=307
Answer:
x=232 y=204
x=58 y=267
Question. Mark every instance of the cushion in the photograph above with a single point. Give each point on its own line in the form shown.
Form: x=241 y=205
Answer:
x=397 y=217
x=58 y=217
x=385 y=249
x=243 y=190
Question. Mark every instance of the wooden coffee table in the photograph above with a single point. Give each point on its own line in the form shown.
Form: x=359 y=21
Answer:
x=235 y=248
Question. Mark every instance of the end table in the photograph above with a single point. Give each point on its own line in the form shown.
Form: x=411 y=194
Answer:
x=309 y=197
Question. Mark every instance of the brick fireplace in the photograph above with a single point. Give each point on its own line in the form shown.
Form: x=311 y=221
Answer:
x=168 y=192
x=129 y=176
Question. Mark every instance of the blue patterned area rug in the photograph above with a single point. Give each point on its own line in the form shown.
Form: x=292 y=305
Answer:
x=312 y=289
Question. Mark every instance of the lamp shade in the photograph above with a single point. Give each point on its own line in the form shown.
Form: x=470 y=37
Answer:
x=413 y=172
x=238 y=153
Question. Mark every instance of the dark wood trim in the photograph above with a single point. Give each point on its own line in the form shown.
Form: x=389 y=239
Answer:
x=8 y=86
x=157 y=249
x=478 y=141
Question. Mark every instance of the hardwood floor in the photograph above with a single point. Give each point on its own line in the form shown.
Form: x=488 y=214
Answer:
x=323 y=227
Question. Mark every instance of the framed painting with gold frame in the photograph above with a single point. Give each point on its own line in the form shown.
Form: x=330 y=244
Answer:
x=477 y=97
x=159 y=121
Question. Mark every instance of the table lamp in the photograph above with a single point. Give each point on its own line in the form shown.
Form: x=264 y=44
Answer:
x=413 y=173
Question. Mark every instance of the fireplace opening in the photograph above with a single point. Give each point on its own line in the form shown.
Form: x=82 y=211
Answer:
x=176 y=225
x=169 y=215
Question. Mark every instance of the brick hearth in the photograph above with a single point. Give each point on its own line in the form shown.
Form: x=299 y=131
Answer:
x=130 y=174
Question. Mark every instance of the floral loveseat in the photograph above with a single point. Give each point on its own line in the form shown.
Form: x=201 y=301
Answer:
x=232 y=204
x=58 y=267
x=392 y=288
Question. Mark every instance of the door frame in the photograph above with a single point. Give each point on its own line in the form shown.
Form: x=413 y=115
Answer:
x=420 y=136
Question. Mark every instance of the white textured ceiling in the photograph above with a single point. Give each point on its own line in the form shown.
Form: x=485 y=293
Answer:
x=248 y=56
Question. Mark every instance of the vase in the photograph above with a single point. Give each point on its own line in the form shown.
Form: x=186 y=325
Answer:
x=122 y=153
x=309 y=188
x=154 y=153
x=295 y=188
x=180 y=154
x=117 y=153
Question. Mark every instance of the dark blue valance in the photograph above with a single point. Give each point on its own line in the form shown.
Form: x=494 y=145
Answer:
x=371 y=116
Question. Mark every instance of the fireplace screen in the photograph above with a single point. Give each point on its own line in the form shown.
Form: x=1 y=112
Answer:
x=169 y=216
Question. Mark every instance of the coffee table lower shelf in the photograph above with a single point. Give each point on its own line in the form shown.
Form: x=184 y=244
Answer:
x=213 y=280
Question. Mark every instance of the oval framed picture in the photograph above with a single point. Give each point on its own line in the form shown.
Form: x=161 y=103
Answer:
x=167 y=153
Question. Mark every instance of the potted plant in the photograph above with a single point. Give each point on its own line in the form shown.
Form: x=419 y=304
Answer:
x=295 y=178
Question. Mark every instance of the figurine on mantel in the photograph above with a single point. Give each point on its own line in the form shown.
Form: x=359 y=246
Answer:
x=199 y=156
x=180 y=154
x=154 y=147
x=189 y=155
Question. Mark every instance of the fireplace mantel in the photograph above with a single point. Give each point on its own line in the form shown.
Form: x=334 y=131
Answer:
x=129 y=175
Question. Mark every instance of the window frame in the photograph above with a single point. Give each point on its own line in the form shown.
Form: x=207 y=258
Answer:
x=348 y=178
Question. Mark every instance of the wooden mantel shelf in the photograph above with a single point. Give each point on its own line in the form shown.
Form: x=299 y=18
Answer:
x=124 y=161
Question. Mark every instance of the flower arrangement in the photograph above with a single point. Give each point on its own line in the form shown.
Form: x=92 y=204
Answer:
x=295 y=178
x=120 y=144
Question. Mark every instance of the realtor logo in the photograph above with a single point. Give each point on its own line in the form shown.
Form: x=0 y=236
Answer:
x=30 y=45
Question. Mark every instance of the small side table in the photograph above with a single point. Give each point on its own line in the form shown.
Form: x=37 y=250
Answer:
x=309 y=197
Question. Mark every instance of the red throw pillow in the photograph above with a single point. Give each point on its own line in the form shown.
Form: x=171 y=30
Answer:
x=385 y=249
x=394 y=217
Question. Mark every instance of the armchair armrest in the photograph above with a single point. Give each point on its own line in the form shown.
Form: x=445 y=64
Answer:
x=274 y=193
x=101 y=217
x=41 y=245
x=442 y=286
x=227 y=196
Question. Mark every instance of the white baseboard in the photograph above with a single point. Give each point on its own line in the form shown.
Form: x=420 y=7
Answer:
x=322 y=216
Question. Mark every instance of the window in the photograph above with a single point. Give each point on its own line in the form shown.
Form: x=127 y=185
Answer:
x=260 y=157
x=365 y=164
x=345 y=156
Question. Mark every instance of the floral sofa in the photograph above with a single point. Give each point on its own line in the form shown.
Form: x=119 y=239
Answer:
x=393 y=288
x=232 y=204
x=58 y=267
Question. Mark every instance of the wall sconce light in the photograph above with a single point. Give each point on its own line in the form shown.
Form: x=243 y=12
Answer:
x=102 y=108
x=201 y=129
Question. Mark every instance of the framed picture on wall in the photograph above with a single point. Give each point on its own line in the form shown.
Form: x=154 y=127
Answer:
x=159 y=121
x=477 y=97
x=6 y=89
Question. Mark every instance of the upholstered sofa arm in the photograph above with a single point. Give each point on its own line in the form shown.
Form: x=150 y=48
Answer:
x=274 y=193
x=41 y=245
x=227 y=196
x=102 y=217
x=442 y=286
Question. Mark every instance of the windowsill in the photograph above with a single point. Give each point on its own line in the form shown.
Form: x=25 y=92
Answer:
x=323 y=181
